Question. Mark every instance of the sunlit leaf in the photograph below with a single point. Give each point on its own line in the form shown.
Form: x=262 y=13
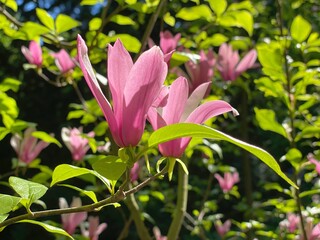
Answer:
x=111 y=167
x=90 y=194
x=45 y=18
x=168 y=19
x=8 y=203
x=300 y=29
x=46 y=137
x=48 y=228
x=65 y=23
x=95 y=24
x=193 y=130
x=122 y=20
x=90 y=2
x=12 y=4
x=31 y=30
x=218 y=6
x=10 y=84
x=195 y=13
x=131 y=43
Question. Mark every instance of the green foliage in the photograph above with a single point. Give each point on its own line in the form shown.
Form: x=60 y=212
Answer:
x=300 y=29
x=46 y=137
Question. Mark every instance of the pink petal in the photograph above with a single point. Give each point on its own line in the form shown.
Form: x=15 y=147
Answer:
x=36 y=51
x=28 y=55
x=142 y=88
x=247 y=62
x=155 y=119
x=93 y=84
x=162 y=98
x=63 y=61
x=178 y=96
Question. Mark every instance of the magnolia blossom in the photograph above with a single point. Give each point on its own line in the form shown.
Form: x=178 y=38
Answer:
x=134 y=172
x=315 y=162
x=202 y=71
x=63 y=61
x=291 y=223
x=75 y=142
x=70 y=221
x=181 y=108
x=222 y=228
x=33 y=54
x=313 y=232
x=157 y=234
x=27 y=147
x=229 y=65
x=227 y=181
x=94 y=230
x=134 y=87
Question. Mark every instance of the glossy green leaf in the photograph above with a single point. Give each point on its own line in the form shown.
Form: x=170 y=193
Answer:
x=48 y=227
x=270 y=87
x=31 y=30
x=30 y=191
x=267 y=121
x=193 y=130
x=8 y=105
x=111 y=167
x=46 y=137
x=2 y=218
x=90 y=2
x=218 y=6
x=241 y=19
x=64 y=172
x=95 y=24
x=300 y=29
x=195 y=13
x=10 y=84
x=168 y=19
x=65 y=23
x=89 y=194
x=45 y=18
x=12 y=4
x=122 y=20
x=3 y=132
x=8 y=203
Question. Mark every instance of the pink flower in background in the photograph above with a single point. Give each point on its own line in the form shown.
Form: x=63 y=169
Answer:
x=33 y=54
x=134 y=87
x=313 y=232
x=27 y=147
x=157 y=234
x=168 y=42
x=227 y=181
x=182 y=108
x=293 y=222
x=70 y=221
x=229 y=65
x=315 y=162
x=134 y=172
x=94 y=230
x=202 y=71
x=75 y=142
x=63 y=61
x=222 y=228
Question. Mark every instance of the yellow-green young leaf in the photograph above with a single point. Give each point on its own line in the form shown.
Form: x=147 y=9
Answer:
x=65 y=23
x=30 y=191
x=10 y=4
x=90 y=2
x=95 y=24
x=76 y=114
x=3 y=132
x=90 y=194
x=32 y=30
x=10 y=84
x=168 y=19
x=8 y=203
x=48 y=228
x=8 y=105
x=267 y=121
x=45 y=18
x=243 y=19
x=130 y=2
x=218 y=6
x=122 y=20
x=46 y=137
x=179 y=130
x=300 y=29
x=215 y=40
x=195 y=13
x=7 y=120
x=131 y=43
x=111 y=167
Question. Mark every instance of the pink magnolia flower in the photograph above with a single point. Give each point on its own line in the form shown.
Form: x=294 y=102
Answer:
x=202 y=71
x=134 y=172
x=313 y=232
x=315 y=162
x=229 y=65
x=70 y=221
x=180 y=108
x=291 y=223
x=63 y=61
x=77 y=144
x=222 y=228
x=94 y=230
x=227 y=181
x=157 y=234
x=27 y=147
x=134 y=87
x=33 y=54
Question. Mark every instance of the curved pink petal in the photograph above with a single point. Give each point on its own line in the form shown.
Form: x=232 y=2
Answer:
x=119 y=66
x=36 y=51
x=155 y=119
x=247 y=62
x=63 y=61
x=142 y=88
x=178 y=96
x=93 y=84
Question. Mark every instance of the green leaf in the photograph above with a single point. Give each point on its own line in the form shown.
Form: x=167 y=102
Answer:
x=10 y=84
x=3 y=132
x=10 y=4
x=2 y=218
x=90 y=2
x=90 y=194
x=30 y=191
x=65 y=23
x=111 y=167
x=8 y=203
x=75 y=114
x=195 y=13
x=8 y=105
x=46 y=137
x=95 y=24
x=168 y=19
x=174 y=131
x=131 y=43
x=122 y=20
x=300 y=29
x=48 y=228
x=241 y=19
x=31 y=30
x=267 y=121
x=45 y=18
x=64 y=172
x=218 y=6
